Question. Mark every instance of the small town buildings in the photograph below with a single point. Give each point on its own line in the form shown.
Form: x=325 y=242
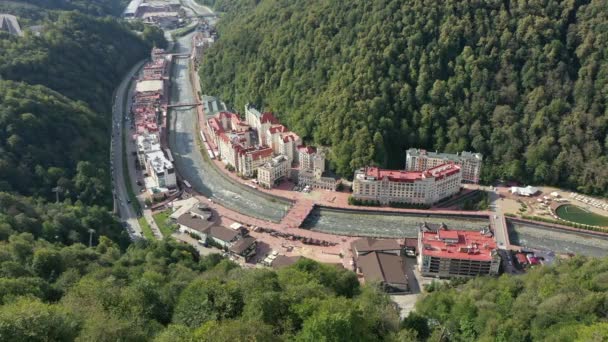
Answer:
x=282 y=261
x=193 y=224
x=414 y=187
x=160 y=170
x=146 y=143
x=271 y=133
x=306 y=156
x=457 y=253
x=244 y=249
x=469 y=162
x=368 y=245
x=150 y=86
x=385 y=268
x=156 y=69
x=251 y=159
x=526 y=192
x=315 y=177
x=271 y=172
x=221 y=236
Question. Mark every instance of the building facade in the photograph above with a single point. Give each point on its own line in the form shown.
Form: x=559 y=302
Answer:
x=271 y=172
x=414 y=187
x=161 y=170
x=457 y=253
x=469 y=162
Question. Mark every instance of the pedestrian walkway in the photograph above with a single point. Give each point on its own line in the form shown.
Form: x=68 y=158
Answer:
x=152 y=223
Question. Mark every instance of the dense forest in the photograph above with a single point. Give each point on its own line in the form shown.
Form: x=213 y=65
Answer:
x=567 y=302
x=164 y=291
x=523 y=82
x=56 y=93
x=36 y=9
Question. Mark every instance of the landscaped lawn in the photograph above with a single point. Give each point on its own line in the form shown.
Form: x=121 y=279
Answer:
x=145 y=228
x=163 y=223
x=577 y=214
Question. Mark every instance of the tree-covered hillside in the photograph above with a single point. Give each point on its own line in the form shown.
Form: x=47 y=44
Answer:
x=79 y=56
x=56 y=95
x=39 y=7
x=567 y=302
x=523 y=82
x=164 y=291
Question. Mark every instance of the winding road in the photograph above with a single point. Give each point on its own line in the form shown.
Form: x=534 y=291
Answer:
x=121 y=197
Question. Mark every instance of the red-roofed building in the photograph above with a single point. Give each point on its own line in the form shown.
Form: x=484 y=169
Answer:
x=305 y=157
x=416 y=187
x=457 y=253
x=156 y=69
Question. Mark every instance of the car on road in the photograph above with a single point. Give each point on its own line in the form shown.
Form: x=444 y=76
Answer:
x=129 y=201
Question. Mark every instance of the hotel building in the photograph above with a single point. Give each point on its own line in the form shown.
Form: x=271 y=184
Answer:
x=272 y=171
x=469 y=162
x=414 y=187
x=457 y=253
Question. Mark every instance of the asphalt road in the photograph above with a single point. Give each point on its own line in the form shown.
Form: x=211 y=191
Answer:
x=119 y=110
x=199 y=9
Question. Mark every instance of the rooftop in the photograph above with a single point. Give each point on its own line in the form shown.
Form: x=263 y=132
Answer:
x=371 y=244
x=222 y=233
x=241 y=245
x=458 y=244
x=194 y=222
x=284 y=261
x=383 y=267
x=375 y=173
x=268 y=117
x=446 y=156
x=149 y=86
x=306 y=149
x=158 y=161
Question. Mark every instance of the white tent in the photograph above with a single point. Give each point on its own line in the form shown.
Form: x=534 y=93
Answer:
x=527 y=191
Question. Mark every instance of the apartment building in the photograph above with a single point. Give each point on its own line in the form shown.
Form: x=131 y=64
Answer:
x=415 y=187
x=251 y=159
x=469 y=162
x=305 y=157
x=447 y=253
x=160 y=170
x=312 y=171
x=272 y=171
x=146 y=143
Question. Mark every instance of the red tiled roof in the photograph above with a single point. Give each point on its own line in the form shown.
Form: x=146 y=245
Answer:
x=306 y=149
x=471 y=245
x=447 y=234
x=268 y=117
x=393 y=175
x=214 y=123
x=277 y=129
x=438 y=172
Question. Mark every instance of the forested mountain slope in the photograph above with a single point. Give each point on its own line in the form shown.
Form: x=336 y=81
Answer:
x=523 y=82
x=55 y=123
x=566 y=302
x=163 y=291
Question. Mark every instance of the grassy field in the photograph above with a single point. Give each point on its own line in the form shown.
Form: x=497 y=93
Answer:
x=145 y=228
x=163 y=223
x=576 y=214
